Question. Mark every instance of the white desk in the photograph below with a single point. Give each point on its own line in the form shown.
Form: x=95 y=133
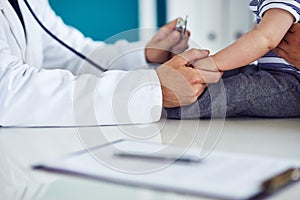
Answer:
x=22 y=147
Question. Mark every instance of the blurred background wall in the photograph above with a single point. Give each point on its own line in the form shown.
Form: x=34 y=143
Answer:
x=213 y=23
x=99 y=19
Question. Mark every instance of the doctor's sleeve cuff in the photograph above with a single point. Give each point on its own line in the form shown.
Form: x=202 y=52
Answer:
x=134 y=97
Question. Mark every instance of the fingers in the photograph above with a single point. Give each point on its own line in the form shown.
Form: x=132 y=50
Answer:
x=172 y=40
x=196 y=76
x=187 y=33
x=176 y=88
x=203 y=77
x=291 y=55
x=194 y=54
x=288 y=38
x=181 y=85
x=171 y=25
x=295 y=28
x=204 y=70
x=184 y=59
x=281 y=52
x=199 y=89
x=209 y=76
x=283 y=45
x=166 y=43
x=158 y=50
x=169 y=39
x=289 y=47
x=292 y=37
x=282 y=49
x=182 y=45
x=206 y=64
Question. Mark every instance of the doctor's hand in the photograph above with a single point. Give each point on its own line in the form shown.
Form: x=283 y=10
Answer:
x=166 y=43
x=289 y=47
x=182 y=84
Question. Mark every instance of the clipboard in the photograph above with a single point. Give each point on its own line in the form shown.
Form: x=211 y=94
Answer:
x=221 y=175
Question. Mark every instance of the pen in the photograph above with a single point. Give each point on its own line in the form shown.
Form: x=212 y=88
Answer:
x=283 y=179
x=173 y=158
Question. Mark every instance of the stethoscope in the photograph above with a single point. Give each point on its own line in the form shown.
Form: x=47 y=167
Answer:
x=61 y=42
x=181 y=26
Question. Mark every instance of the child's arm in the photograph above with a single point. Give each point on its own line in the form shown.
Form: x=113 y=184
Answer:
x=252 y=45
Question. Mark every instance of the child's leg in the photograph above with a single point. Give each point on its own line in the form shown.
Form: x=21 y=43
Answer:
x=252 y=93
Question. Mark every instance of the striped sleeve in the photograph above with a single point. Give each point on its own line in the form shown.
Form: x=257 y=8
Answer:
x=292 y=6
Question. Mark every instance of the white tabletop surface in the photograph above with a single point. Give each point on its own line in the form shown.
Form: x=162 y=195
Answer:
x=22 y=147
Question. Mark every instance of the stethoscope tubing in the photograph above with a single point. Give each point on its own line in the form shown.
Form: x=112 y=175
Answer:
x=61 y=42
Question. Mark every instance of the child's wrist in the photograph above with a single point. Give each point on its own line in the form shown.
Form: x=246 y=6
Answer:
x=214 y=63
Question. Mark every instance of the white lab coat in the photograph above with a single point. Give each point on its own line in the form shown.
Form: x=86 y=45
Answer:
x=43 y=84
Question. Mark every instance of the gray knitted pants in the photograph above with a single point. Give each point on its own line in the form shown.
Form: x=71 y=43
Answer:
x=250 y=91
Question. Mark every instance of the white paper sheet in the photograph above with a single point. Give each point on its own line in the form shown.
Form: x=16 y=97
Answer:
x=220 y=175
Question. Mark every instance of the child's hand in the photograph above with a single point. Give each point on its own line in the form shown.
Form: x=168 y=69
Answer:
x=208 y=69
x=181 y=85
